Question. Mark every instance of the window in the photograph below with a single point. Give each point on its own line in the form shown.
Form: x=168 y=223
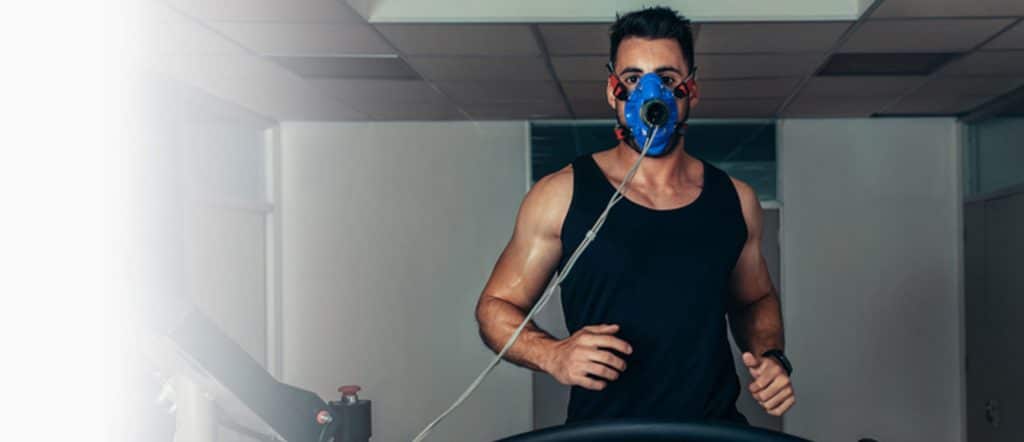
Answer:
x=994 y=155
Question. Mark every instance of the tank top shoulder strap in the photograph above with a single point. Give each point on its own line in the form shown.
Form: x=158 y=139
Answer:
x=721 y=191
x=589 y=184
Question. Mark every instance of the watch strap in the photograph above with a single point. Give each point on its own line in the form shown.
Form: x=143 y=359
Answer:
x=781 y=357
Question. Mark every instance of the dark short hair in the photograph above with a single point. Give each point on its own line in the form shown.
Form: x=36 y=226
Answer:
x=656 y=22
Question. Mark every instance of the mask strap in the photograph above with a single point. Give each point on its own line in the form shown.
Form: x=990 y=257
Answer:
x=619 y=90
x=687 y=87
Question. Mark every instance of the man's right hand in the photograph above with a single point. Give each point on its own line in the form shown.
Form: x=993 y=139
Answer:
x=587 y=352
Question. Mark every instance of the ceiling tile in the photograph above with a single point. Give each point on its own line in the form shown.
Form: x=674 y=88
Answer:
x=382 y=111
x=585 y=90
x=711 y=67
x=1015 y=110
x=517 y=111
x=461 y=39
x=385 y=91
x=769 y=37
x=948 y=8
x=736 y=108
x=987 y=63
x=744 y=66
x=580 y=68
x=1011 y=39
x=481 y=68
x=256 y=84
x=592 y=109
x=936 y=104
x=969 y=86
x=322 y=11
x=865 y=86
x=583 y=38
x=472 y=92
x=305 y=38
x=750 y=88
x=576 y=38
x=172 y=33
x=939 y=35
x=347 y=67
x=325 y=109
x=853 y=107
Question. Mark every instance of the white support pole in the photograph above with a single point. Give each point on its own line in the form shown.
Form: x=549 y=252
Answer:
x=195 y=415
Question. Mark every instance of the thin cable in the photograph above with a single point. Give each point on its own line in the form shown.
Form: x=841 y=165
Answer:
x=587 y=239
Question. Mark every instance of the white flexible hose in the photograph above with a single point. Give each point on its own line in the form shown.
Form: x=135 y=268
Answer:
x=591 y=234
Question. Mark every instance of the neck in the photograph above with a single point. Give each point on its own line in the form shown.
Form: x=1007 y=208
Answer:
x=668 y=169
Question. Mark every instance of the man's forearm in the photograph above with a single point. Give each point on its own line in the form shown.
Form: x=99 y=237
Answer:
x=499 y=319
x=757 y=327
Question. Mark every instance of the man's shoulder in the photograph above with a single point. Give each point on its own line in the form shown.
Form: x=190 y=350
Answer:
x=746 y=193
x=749 y=203
x=547 y=202
x=557 y=182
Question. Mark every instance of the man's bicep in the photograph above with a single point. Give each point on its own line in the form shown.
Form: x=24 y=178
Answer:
x=529 y=260
x=523 y=270
x=750 y=278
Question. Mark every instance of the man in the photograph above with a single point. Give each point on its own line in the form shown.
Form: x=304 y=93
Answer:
x=646 y=302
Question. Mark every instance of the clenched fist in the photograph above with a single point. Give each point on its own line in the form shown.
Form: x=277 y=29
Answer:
x=771 y=387
x=588 y=352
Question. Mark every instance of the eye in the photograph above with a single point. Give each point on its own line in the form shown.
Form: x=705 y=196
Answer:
x=632 y=79
x=668 y=81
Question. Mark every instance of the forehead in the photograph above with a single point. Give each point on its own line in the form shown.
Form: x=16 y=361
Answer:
x=648 y=53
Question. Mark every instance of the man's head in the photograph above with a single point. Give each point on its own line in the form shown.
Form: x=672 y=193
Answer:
x=652 y=24
x=654 y=40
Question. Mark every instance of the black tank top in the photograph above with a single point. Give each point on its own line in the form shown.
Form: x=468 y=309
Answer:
x=662 y=275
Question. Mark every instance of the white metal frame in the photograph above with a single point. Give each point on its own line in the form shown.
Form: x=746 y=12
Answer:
x=960 y=134
x=273 y=286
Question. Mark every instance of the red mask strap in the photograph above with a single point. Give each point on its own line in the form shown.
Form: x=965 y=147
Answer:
x=619 y=90
x=685 y=89
x=621 y=133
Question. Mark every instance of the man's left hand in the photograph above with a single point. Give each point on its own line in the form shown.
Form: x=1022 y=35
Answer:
x=771 y=387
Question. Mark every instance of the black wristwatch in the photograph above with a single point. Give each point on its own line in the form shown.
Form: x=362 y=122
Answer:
x=779 y=356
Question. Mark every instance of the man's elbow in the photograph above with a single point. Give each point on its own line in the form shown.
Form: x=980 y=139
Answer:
x=484 y=318
x=481 y=309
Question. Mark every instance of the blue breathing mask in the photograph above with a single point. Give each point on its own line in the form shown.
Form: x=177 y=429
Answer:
x=652 y=104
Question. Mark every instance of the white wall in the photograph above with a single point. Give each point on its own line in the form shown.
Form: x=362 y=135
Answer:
x=202 y=209
x=389 y=231
x=870 y=261
x=204 y=198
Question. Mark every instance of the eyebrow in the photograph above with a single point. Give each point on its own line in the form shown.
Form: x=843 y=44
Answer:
x=633 y=69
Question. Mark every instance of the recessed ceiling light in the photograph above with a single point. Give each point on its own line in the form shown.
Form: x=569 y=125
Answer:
x=855 y=64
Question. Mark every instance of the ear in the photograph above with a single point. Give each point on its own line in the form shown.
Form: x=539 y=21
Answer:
x=608 y=94
x=610 y=91
x=694 y=96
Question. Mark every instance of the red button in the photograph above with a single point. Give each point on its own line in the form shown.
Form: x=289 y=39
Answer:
x=323 y=417
x=349 y=390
